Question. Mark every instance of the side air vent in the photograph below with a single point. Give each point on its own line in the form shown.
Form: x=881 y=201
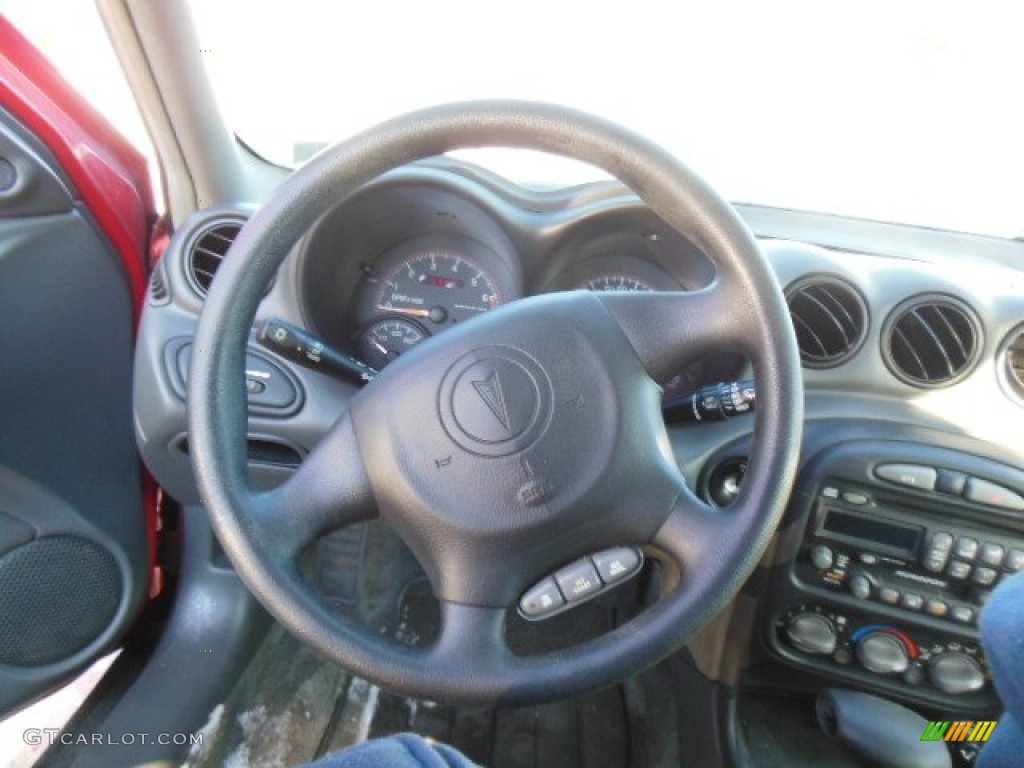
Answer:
x=830 y=319
x=1011 y=361
x=158 y=293
x=931 y=341
x=207 y=251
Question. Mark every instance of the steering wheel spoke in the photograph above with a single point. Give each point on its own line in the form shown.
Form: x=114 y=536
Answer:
x=329 y=490
x=471 y=635
x=668 y=330
x=693 y=532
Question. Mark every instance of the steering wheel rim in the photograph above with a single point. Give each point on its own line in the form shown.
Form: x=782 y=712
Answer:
x=351 y=474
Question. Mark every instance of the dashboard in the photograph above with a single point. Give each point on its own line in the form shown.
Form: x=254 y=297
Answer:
x=909 y=507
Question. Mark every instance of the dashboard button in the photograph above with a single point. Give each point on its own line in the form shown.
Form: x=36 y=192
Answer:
x=578 y=581
x=541 y=600
x=854 y=497
x=937 y=608
x=959 y=569
x=616 y=564
x=913 y=601
x=962 y=613
x=950 y=482
x=984 y=492
x=860 y=586
x=910 y=475
x=1015 y=560
x=992 y=554
x=830 y=492
x=985 y=576
x=966 y=548
x=889 y=595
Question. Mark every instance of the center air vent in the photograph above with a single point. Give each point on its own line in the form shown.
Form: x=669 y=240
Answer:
x=931 y=341
x=830 y=320
x=1012 y=361
x=207 y=252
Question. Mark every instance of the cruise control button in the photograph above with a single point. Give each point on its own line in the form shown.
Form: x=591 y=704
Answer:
x=541 y=600
x=959 y=570
x=992 y=554
x=578 y=581
x=910 y=475
x=966 y=548
x=984 y=492
x=985 y=576
x=616 y=564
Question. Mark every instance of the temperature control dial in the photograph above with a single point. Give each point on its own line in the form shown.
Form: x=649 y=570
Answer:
x=955 y=672
x=884 y=650
x=812 y=633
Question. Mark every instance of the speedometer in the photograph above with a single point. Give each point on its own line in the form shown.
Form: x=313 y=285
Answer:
x=617 y=283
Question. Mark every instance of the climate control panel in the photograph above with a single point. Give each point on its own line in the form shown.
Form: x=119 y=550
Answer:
x=908 y=657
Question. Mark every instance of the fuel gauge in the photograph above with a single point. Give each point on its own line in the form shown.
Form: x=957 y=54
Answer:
x=385 y=339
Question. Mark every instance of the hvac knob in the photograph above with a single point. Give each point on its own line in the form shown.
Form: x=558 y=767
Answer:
x=955 y=672
x=812 y=633
x=883 y=653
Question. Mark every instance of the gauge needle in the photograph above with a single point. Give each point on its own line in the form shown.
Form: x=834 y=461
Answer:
x=405 y=311
x=383 y=350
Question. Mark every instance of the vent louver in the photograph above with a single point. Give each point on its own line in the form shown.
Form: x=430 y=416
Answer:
x=931 y=341
x=158 y=293
x=207 y=252
x=1012 y=361
x=830 y=320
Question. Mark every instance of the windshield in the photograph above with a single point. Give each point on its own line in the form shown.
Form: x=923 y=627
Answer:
x=906 y=112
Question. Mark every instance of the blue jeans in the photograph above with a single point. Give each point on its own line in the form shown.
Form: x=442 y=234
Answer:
x=404 y=750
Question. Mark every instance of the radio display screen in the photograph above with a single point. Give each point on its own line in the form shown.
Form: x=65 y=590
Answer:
x=902 y=537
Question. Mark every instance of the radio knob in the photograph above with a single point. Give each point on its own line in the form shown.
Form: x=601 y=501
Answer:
x=812 y=633
x=822 y=557
x=883 y=653
x=956 y=673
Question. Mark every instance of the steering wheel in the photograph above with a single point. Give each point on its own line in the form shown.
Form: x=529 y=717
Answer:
x=513 y=444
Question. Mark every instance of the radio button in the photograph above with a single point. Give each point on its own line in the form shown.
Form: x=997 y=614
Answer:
x=959 y=569
x=985 y=576
x=1015 y=560
x=853 y=497
x=950 y=482
x=913 y=601
x=889 y=595
x=822 y=557
x=992 y=554
x=966 y=548
x=860 y=586
x=984 y=492
x=910 y=475
x=937 y=608
x=938 y=552
x=963 y=613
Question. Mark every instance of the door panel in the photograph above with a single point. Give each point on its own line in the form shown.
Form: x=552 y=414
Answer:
x=74 y=535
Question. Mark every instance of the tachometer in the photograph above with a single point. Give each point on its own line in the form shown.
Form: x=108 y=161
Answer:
x=438 y=286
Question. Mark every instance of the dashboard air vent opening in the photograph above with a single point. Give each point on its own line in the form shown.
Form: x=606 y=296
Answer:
x=1012 y=361
x=158 y=293
x=830 y=319
x=208 y=250
x=931 y=341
